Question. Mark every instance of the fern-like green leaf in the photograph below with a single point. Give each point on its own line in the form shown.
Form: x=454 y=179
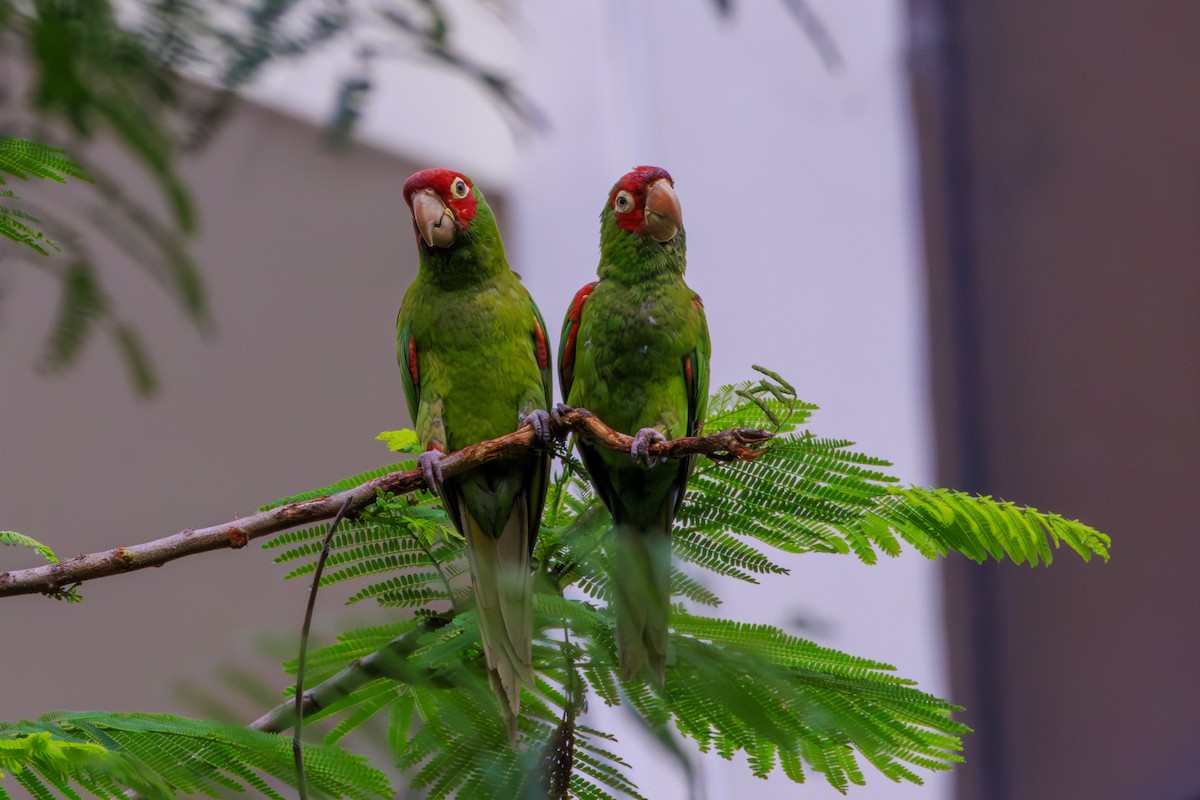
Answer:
x=14 y=539
x=339 y=486
x=80 y=305
x=402 y=441
x=162 y=756
x=23 y=159
x=18 y=226
x=937 y=521
x=137 y=362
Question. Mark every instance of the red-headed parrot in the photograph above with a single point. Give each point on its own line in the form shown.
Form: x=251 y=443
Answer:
x=475 y=364
x=635 y=351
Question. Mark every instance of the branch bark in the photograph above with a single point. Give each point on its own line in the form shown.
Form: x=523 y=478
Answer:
x=52 y=579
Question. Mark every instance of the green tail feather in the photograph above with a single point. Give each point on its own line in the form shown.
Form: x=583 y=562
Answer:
x=642 y=598
x=503 y=587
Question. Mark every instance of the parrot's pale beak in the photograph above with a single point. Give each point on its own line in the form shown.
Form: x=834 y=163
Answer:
x=434 y=221
x=663 y=215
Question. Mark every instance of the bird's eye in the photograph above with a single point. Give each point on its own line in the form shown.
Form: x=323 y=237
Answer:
x=458 y=189
x=623 y=202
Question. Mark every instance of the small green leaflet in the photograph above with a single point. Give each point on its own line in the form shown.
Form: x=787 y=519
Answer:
x=401 y=441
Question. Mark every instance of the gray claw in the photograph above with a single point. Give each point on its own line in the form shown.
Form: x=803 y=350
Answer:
x=640 y=449
x=430 y=463
x=557 y=424
x=541 y=422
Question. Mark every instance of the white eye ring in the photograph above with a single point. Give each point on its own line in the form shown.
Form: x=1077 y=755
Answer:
x=459 y=189
x=623 y=202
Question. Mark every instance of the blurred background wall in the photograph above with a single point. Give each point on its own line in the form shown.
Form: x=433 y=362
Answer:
x=1061 y=174
x=1040 y=347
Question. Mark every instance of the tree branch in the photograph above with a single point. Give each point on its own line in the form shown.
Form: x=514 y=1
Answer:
x=51 y=579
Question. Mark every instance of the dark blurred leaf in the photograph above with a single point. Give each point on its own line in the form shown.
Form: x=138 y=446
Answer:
x=80 y=303
x=137 y=363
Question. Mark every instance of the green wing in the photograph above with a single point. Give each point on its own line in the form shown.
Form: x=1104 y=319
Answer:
x=410 y=371
x=695 y=373
x=566 y=342
x=541 y=348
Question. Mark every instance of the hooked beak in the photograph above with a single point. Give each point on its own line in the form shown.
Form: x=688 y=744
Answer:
x=434 y=221
x=662 y=215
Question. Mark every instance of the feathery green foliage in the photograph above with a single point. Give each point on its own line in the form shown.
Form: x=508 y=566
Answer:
x=163 y=756
x=23 y=159
x=791 y=706
x=14 y=539
x=788 y=704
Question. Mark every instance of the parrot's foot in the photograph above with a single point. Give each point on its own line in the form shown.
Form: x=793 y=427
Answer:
x=541 y=423
x=640 y=449
x=556 y=419
x=430 y=463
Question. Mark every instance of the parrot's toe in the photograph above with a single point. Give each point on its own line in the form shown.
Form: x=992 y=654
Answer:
x=541 y=422
x=640 y=449
x=557 y=413
x=430 y=463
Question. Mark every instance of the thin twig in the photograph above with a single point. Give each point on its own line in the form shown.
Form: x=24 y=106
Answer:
x=297 y=738
x=50 y=579
x=386 y=662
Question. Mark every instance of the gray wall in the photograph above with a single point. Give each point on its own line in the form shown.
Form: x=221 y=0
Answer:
x=307 y=255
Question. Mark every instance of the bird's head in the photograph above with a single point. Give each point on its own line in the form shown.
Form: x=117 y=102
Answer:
x=644 y=203
x=443 y=203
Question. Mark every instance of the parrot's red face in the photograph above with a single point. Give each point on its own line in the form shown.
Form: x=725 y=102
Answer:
x=442 y=203
x=644 y=202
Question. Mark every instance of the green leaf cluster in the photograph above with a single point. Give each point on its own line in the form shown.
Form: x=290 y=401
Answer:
x=99 y=75
x=14 y=539
x=790 y=706
x=23 y=160
x=163 y=756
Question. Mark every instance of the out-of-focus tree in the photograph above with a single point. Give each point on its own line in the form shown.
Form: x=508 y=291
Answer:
x=159 y=78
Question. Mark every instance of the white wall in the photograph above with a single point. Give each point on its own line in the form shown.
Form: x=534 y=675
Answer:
x=798 y=196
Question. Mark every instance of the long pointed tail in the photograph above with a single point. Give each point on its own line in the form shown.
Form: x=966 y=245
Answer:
x=642 y=599
x=503 y=587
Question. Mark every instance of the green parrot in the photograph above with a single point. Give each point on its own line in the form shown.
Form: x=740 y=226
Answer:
x=635 y=351
x=475 y=365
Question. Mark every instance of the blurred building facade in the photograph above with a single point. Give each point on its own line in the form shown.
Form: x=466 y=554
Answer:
x=1060 y=172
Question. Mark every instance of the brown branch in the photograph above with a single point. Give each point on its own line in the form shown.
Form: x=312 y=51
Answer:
x=52 y=579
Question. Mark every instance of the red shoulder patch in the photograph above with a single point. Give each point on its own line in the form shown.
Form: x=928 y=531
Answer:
x=687 y=369
x=574 y=314
x=697 y=303
x=581 y=297
x=540 y=346
x=414 y=371
x=566 y=355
